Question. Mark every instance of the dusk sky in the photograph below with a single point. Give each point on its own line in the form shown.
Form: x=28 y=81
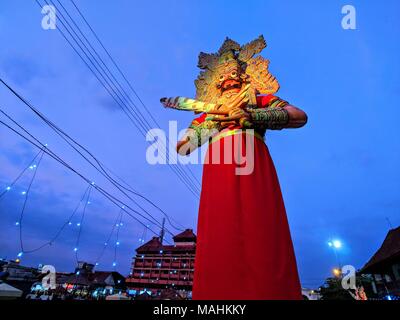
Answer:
x=339 y=175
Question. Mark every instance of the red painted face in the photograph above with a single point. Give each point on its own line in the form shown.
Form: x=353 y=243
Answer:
x=229 y=79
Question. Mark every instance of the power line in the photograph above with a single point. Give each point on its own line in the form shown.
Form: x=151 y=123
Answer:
x=114 y=81
x=75 y=145
x=147 y=126
x=129 y=84
x=106 y=194
x=122 y=74
x=110 y=89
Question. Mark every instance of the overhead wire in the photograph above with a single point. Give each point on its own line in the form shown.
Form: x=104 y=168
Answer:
x=106 y=194
x=92 y=61
x=75 y=145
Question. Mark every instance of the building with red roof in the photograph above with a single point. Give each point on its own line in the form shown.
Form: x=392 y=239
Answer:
x=159 y=268
x=384 y=266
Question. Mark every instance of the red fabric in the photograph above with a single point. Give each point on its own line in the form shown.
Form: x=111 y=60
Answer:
x=263 y=101
x=200 y=119
x=244 y=249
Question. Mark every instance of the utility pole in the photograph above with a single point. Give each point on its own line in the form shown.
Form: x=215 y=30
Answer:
x=162 y=231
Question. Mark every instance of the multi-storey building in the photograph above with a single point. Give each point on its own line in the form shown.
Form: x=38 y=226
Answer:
x=158 y=268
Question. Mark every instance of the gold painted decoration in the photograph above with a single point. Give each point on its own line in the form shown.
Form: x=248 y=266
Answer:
x=232 y=59
x=262 y=81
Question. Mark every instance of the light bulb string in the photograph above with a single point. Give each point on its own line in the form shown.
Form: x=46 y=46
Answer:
x=105 y=245
x=58 y=233
x=20 y=174
x=103 y=192
x=21 y=216
x=78 y=239
x=116 y=244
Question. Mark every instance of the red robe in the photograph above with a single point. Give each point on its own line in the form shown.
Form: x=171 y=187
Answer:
x=244 y=249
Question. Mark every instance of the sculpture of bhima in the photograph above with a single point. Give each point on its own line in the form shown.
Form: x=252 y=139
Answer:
x=244 y=248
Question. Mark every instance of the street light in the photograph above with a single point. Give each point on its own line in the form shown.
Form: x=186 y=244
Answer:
x=336 y=245
x=336 y=272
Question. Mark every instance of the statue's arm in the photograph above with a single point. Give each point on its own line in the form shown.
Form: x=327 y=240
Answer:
x=276 y=116
x=196 y=135
x=297 y=117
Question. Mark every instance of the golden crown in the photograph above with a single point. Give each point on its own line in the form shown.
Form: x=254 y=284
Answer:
x=255 y=69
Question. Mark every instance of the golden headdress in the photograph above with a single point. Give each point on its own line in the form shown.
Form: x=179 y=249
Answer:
x=254 y=70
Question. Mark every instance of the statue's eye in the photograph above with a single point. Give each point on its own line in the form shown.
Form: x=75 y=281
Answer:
x=234 y=74
x=221 y=77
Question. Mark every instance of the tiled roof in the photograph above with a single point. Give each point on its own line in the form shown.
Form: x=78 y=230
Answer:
x=186 y=235
x=389 y=249
x=153 y=245
x=78 y=279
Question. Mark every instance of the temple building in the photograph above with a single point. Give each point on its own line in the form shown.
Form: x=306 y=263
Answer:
x=159 y=269
x=384 y=267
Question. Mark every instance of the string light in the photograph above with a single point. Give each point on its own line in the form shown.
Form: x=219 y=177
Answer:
x=116 y=223
x=23 y=193
x=20 y=254
x=8 y=188
x=78 y=238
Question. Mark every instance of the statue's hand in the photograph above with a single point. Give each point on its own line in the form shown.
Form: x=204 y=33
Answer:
x=236 y=112
x=242 y=116
x=236 y=116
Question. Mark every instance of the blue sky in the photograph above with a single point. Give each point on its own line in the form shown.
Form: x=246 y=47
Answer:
x=339 y=174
